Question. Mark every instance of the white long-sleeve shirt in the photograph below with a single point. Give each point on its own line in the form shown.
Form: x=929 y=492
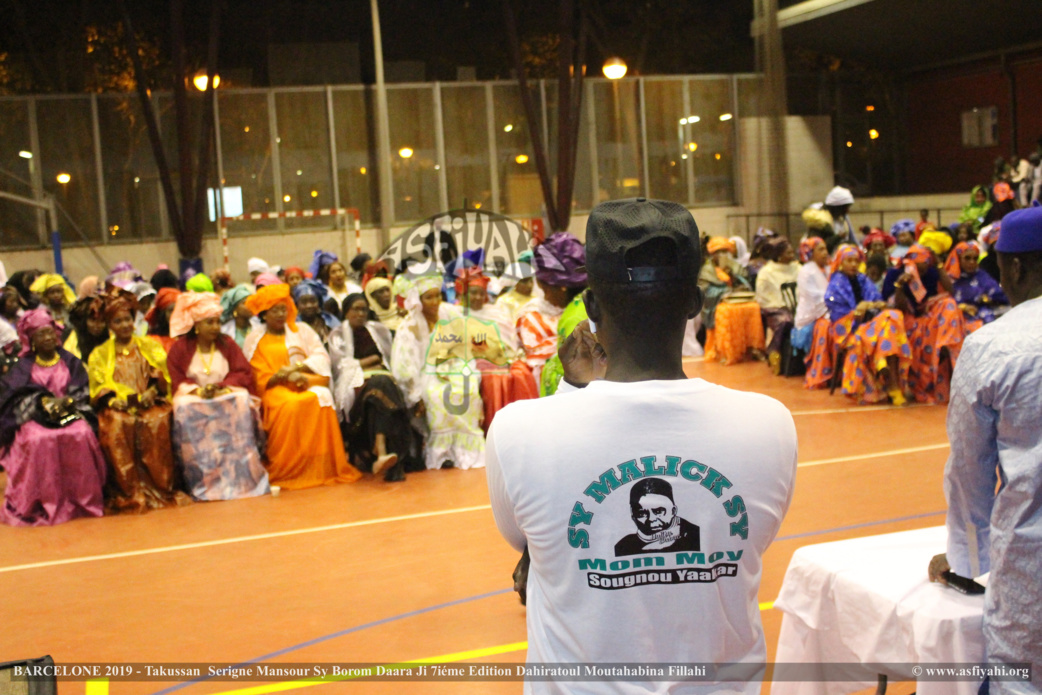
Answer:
x=811 y=283
x=995 y=430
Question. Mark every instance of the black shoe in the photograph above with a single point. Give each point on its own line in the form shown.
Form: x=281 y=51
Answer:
x=447 y=464
x=395 y=474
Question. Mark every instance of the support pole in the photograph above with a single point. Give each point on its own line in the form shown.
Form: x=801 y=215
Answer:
x=383 y=134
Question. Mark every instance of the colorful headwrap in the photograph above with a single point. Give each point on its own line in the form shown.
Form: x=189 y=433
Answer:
x=257 y=265
x=953 y=266
x=191 y=308
x=49 y=280
x=916 y=254
x=1002 y=192
x=270 y=295
x=29 y=323
x=231 y=299
x=199 y=283
x=905 y=225
x=375 y=269
x=86 y=308
x=742 y=253
x=938 y=242
x=123 y=275
x=420 y=286
x=265 y=279
x=844 y=252
x=518 y=271
x=166 y=297
x=141 y=290
x=296 y=270
x=469 y=277
x=807 y=247
x=817 y=220
x=313 y=288
x=88 y=286
x=221 y=278
x=118 y=300
x=371 y=288
x=878 y=235
x=990 y=234
x=558 y=261
x=320 y=259
x=719 y=243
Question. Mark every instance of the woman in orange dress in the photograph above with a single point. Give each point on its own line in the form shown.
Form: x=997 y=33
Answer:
x=305 y=448
x=733 y=328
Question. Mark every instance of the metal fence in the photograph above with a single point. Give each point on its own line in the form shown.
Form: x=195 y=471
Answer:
x=286 y=149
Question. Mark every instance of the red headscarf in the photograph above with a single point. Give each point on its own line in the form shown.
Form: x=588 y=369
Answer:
x=166 y=297
x=844 y=252
x=374 y=269
x=878 y=235
x=469 y=277
x=1002 y=192
x=294 y=269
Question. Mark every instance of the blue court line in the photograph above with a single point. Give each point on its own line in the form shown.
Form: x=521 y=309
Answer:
x=855 y=526
x=402 y=616
x=341 y=633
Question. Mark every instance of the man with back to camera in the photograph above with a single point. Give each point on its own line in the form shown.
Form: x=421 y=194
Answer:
x=995 y=430
x=561 y=471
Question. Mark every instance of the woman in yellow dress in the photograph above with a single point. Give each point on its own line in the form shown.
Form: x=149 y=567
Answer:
x=305 y=448
x=129 y=388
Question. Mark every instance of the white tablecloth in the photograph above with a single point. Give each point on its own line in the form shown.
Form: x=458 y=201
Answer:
x=868 y=601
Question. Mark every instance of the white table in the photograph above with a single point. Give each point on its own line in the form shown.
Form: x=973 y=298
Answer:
x=868 y=601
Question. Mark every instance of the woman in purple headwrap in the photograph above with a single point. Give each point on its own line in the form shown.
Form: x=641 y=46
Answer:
x=55 y=468
x=560 y=273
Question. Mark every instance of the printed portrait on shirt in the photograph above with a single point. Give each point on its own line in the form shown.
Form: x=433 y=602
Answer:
x=660 y=527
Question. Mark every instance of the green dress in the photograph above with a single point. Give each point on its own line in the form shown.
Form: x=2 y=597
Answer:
x=553 y=372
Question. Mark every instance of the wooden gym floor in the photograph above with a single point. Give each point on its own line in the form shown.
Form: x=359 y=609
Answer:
x=387 y=573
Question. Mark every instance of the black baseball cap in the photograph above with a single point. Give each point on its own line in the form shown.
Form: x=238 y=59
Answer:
x=617 y=226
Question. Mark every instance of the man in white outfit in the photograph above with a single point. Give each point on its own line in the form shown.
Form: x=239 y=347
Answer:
x=570 y=476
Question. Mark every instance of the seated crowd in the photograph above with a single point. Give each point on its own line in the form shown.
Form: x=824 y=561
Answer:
x=880 y=314
x=135 y=394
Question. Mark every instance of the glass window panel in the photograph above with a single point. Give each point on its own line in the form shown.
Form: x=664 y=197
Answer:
x=520 y=193
x=465 y=121
x=303 y=125
x=133 y=191
x=713 y=160
x=668 y=141
x=616 y=107
x=750 y=102
x=67 y=147
x=18 y=222
x=164 y=105
x=582 y=191
x=355 y=156
x=413 y=156
x=246 y=154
